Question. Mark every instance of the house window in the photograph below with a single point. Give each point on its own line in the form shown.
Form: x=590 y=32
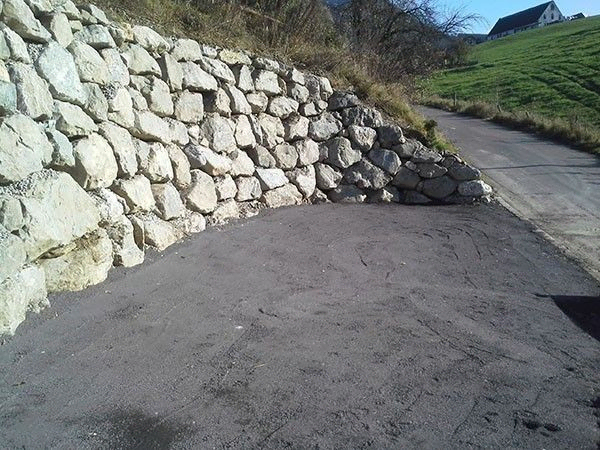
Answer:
x=552 y=6
x=544 y=16
x=552 y=16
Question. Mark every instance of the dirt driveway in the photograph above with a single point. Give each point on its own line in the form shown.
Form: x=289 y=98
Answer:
x=319 y=327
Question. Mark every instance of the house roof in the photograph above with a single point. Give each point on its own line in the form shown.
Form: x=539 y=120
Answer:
x=520 y=19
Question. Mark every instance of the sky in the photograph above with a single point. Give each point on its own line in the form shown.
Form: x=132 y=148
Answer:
x=492 y=10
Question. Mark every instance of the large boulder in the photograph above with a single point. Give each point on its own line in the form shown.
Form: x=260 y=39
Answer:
x=73 y=121
x=327 y=176
x=439 y=188
x=168 y=201
x=17 y=15
x=140 y=62
x=33 y=96
x=95 y=163
x=210 y=162
x=87 y=264
x=25 y=291
x=366 y=175
x=137 y=192
x=196 y=79
x=201 y=196
x=341 y=154
x=220 y=133
x=304 y=179
x=287 y=195
x=57 y=66
x=24 y=148
x=90 y=65
x=154 y=161
x=56 y=211
x=271 y=178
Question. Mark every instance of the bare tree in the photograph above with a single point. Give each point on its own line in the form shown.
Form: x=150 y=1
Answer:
x=401 y=38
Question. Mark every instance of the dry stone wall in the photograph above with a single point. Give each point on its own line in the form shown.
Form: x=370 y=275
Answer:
x=114 y=139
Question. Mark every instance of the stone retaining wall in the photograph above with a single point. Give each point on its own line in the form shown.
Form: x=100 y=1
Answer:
x=114 y=139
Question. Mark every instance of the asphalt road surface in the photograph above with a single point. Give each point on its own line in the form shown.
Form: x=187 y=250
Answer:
x=555 y=187
x=322 y=327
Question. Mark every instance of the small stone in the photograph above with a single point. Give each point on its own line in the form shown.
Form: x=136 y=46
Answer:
x=123 y=148
x=267 y=82
x=300 y=94
x=140 y=62
x=150 y=39
x=241 y=164
x=271 y=178
x=33 y=96
x=295 y=127
x=258 y=102
x=324 y=127
x=96 y=36
x=388 y=194
x=304 y=178
x=261 y=157
x=210 y=162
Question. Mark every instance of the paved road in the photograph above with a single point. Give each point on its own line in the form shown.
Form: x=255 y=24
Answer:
x=329 y=327
x=555 y=187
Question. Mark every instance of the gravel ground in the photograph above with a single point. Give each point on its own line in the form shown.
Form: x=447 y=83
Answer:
x=323 y=327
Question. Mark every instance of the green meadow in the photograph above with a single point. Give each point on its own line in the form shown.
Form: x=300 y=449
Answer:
x=551 y=72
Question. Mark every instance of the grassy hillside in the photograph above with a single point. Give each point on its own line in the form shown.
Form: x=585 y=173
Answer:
x=553 y=72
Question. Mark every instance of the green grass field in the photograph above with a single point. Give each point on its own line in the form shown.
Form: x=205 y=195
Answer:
x=552 y=72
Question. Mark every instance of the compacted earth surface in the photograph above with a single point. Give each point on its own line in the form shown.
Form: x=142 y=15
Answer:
x=323 y=327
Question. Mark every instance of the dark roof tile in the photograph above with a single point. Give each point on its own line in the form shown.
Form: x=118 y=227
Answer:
x=520 y=19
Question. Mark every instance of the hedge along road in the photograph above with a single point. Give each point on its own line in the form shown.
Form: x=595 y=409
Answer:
x=553 y=186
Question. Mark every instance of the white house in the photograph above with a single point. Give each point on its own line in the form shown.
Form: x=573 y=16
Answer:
x=535 y=17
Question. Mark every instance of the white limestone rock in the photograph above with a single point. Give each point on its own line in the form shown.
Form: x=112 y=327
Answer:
x=150 y=39
x=12 y=254
x=197 y=80
x=87 y=264
x=474 y=188
x=295 y=127
x=186 y=50
x=59 y=27
x=243 y=77
x=282 y=107
x=90 y=65
x=362 y=137
x=201 y=196
x=25 y=291
x=241 y=164
x=244 y=136
x=110 y=205
x=238 y=102
x=149 y=127
x=117 y=70
x=212 y=163
x=56 y=210
x=217 y=102
x=137 y=192
x=172 y=73
x=219 y=132
x=24 y=148
x=225 y=187
x=271 y=178
x=327 y=176
x=126 y=253
x=272 y=130
x=154 y=162
x=33 y=96
x=287 y=195
x=57 y=66
x=248 y=188
x=139 y=61
x=158 y=96
x=366 y=175
x=217 y=69
x=168 y=202
x=62 y=156
x=267 y=82
x=347 y=193
x=17 y=15
x=181 y=167
x=72 y=120
x=261 y=157
x=285 y=156
x=120 y=108
x=386 y=159
x=123 y=148
x=156 y=232
x=225 y=211
x=96 y=105
x=341 y=153
x=95 y=164
x=308 y=152
x=304 y=178
x=258 y=102
x=324 y=127
x=96 y=36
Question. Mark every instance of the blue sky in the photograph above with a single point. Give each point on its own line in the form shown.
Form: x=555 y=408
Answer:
x=492 y=10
